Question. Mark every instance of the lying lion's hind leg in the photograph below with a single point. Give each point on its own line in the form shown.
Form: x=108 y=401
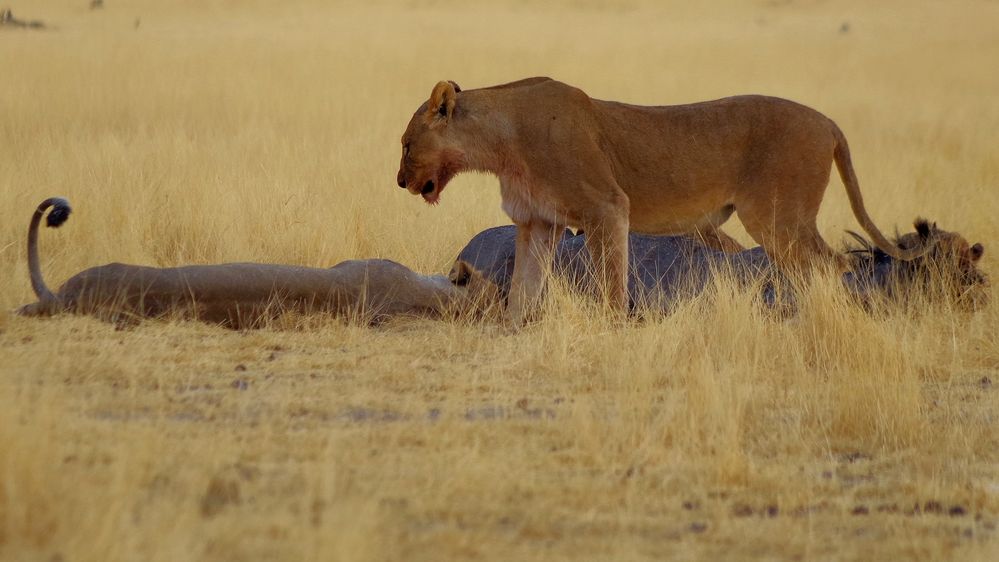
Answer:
x=40 y=308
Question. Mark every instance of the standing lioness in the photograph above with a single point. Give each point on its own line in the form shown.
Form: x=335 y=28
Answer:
x=564 y=158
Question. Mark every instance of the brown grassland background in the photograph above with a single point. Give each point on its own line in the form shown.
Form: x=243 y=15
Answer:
x=211 y=131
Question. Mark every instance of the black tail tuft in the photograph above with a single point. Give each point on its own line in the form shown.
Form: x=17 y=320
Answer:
x=59 y=213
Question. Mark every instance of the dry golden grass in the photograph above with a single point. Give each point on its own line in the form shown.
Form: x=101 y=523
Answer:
x=268 y=131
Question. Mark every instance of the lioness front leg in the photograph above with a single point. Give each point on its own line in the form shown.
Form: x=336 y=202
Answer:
x=531 y=266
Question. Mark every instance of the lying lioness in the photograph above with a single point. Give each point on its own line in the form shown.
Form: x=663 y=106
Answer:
x=566 y=159
x=666 y=269
x=244 y=295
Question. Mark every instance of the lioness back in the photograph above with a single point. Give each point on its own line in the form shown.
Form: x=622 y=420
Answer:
x=701 y=155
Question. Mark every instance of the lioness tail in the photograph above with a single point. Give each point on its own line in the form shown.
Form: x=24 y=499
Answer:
x=845 y=166
x=60 y=212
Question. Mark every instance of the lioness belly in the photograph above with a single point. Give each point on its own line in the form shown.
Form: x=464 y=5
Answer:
x=664 y=214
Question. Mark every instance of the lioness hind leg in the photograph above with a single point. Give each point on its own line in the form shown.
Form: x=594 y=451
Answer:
x=714 y=238
x=781 y=216
x=808 y=252
x=791 y=239
x=799 y=254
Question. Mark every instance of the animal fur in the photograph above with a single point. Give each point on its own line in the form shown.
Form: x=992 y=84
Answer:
x=245 y=295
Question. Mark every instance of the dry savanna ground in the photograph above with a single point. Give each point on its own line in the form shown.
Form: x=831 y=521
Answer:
x=202 y=132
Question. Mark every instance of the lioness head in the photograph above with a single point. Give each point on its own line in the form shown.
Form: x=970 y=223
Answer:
x=430 y=155
x=480 y=295
x=952 y=261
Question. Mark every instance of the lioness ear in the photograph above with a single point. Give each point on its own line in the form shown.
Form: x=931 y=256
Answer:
x=923 y=228
x=441 y=104
x=976 y=252
x=461 y=273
